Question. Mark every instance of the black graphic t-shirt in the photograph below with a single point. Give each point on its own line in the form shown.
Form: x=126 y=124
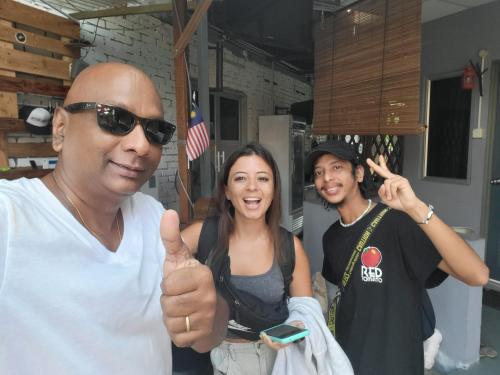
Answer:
x=379 y=320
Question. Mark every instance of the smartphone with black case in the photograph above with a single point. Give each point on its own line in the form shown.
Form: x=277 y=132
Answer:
x=286 y=333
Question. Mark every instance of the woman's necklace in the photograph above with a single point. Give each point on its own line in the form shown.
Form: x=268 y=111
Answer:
x=82 y=220
x=358 y=218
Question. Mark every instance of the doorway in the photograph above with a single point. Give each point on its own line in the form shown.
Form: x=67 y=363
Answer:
x=226 y=126
x=493 y=233
x=227 y=133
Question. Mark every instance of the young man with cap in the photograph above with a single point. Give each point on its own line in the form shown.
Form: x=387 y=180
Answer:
x=382 y=256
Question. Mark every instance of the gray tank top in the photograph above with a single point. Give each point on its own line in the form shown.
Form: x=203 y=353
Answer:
x=269 y=286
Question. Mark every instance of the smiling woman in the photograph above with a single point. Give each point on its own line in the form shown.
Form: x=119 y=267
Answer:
x=254 y=261
x=250 y=187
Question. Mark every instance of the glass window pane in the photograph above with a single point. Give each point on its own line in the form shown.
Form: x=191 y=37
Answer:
x=212 y=121
x=229 y=119
x=449 y=117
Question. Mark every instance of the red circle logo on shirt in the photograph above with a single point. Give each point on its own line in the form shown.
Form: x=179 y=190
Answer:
x=371 y=257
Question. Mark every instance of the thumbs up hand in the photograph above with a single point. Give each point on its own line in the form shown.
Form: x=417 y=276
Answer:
x=189 y=298
x=178 y=254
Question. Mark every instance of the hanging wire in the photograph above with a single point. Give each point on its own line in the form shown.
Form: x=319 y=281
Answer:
x=160 y=25
x=154 y=27
x=72 y=6
x=60 y=11
x=93 y=40
x=178 y=178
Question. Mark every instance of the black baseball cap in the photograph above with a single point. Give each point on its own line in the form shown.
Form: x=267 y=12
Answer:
x=340 y=149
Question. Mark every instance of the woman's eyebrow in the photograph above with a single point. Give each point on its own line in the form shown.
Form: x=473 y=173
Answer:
x=239 y=172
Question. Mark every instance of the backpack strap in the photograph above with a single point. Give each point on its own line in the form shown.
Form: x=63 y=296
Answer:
x=287 y=264
x=208 y=238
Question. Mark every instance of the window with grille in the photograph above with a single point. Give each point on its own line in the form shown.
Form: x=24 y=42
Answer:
x=446 y=140
x=371 y=146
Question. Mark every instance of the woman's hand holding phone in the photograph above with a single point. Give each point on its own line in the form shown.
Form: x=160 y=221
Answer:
x=284 y=334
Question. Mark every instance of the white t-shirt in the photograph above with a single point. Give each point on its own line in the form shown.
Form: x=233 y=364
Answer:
x=67 y=304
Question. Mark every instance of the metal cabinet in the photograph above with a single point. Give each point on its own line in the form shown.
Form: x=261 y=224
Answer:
x=283 y=136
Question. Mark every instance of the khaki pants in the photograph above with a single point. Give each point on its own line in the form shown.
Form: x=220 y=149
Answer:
x=252 y=358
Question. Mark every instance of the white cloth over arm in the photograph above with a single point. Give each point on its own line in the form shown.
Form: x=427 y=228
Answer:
x=319 y=353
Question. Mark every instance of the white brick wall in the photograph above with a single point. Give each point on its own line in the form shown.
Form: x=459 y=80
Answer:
x=255 y=80
x=146 y=43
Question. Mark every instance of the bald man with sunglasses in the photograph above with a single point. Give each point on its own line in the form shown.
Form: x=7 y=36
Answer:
x=91 y=270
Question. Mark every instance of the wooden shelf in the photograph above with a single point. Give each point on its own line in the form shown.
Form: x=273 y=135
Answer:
x=30 y=150
x=12 y=125
x=32 y=86
x=14 y=173
x=26 y=62
x=23 y=14
x=42 y=68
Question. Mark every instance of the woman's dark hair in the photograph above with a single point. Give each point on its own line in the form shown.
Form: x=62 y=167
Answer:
x=225 y=210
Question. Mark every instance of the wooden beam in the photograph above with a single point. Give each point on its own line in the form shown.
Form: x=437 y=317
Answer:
x=32 y=86
x=188 y=31
x=8 y=100
x=8 y=34
x=126 y=10
x=13 y=125
x=33 y=150
x=70 y=60
x=25 y=15
x=8 y=104
x=25 y=62
x=4 y=159
x=181 y=104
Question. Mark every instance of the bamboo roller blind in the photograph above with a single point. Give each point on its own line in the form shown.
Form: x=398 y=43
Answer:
x=367 y=69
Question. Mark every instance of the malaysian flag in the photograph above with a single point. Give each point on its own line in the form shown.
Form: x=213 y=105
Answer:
x=197 y=137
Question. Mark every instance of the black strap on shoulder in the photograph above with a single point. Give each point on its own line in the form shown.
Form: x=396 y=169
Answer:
x=208 y=240
x=287 y=264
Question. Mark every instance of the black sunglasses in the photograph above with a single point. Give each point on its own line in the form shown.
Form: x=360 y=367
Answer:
x=119 y=121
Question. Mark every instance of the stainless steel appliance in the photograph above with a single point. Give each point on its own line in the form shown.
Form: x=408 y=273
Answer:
x=284 y=136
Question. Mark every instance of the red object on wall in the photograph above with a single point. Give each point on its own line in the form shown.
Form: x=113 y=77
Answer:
x=468 y=78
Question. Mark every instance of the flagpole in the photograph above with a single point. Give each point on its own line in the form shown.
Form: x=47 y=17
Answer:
x=204 y=104
x=181 y=104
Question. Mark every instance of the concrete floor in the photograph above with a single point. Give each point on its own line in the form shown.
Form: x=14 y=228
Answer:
x=490 y=336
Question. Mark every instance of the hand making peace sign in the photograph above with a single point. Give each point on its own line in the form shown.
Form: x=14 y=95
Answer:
x=396 y=191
